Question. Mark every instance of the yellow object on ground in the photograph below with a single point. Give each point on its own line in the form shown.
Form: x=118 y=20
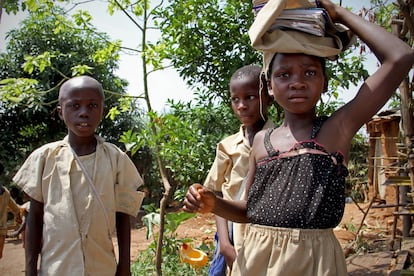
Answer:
x=194 y=257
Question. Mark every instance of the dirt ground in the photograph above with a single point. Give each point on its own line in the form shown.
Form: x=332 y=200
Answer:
x=377 y=227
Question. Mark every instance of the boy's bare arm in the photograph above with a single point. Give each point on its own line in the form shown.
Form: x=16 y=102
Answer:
x=226 y=247
x=123 y=232
x=34 y=229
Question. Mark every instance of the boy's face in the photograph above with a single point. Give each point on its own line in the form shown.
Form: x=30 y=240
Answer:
x=245 y=101
x=81 y=109
x=297 y=82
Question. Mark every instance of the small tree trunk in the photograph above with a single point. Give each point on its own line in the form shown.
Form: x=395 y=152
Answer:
x=163 y=207
x=1 y=8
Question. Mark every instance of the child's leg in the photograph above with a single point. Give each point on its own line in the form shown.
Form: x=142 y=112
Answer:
x=2 y=239
x=24 y=238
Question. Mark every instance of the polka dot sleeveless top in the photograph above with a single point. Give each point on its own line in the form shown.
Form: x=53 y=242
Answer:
x=305 y=189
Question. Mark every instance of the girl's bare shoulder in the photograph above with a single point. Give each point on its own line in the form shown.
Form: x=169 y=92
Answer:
x=260 y=134
x=336 y=134
x=258 y=148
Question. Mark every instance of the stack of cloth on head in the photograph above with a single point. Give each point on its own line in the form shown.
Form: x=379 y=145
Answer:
x=296 y=26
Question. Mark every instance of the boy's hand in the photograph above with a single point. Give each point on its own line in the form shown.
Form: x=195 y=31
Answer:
x=229 y=254
x=199 y=199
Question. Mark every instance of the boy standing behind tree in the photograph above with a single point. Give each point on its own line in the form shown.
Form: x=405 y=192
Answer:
x=232 y=158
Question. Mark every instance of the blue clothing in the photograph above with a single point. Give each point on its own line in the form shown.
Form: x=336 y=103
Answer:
x=218 y=265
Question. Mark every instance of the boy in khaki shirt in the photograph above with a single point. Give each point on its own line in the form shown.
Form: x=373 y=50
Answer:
x=232 y=158
x=81 y=191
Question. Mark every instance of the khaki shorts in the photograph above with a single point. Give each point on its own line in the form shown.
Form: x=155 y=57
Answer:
x=276 y=251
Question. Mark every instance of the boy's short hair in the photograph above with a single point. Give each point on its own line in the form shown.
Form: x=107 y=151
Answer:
x=251 y=71
x=83 y=82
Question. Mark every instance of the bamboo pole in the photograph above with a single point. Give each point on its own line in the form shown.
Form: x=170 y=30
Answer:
x=406 y=111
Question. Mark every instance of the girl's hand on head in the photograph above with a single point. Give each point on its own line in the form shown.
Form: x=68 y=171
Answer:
x=199 y=199
x=330 y=8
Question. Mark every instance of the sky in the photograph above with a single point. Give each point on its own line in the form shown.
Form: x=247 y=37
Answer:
x=163 y=84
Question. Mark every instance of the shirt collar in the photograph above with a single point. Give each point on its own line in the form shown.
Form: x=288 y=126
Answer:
x=98 y=138
x=242 y=137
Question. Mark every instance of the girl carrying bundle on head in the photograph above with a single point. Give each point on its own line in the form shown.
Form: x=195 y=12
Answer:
x=297 y=171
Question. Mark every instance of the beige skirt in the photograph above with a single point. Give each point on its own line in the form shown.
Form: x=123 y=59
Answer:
x=274 y=251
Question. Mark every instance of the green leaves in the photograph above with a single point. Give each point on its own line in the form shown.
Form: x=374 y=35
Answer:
x=78 y=70
x=41 y=62
x=207 y=41
x=172 y=221
x=15 y=91
x=82 y=17
x=124 y=105
x=130 y=140
x=156 y=55
x=109 y=52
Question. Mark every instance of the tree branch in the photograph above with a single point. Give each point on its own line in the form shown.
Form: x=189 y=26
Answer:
x=129 y=16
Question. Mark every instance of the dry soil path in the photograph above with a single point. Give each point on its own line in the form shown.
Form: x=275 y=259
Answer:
x=201 y=228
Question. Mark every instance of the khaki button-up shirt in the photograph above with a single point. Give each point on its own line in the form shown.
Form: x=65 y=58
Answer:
x=73 y=246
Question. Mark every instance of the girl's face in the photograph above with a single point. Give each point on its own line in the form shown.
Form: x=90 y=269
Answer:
x=81 y=110
x=297 y=82
x=245 y=100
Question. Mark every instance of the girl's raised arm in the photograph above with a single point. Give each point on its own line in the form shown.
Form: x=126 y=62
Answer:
x=396 y=59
